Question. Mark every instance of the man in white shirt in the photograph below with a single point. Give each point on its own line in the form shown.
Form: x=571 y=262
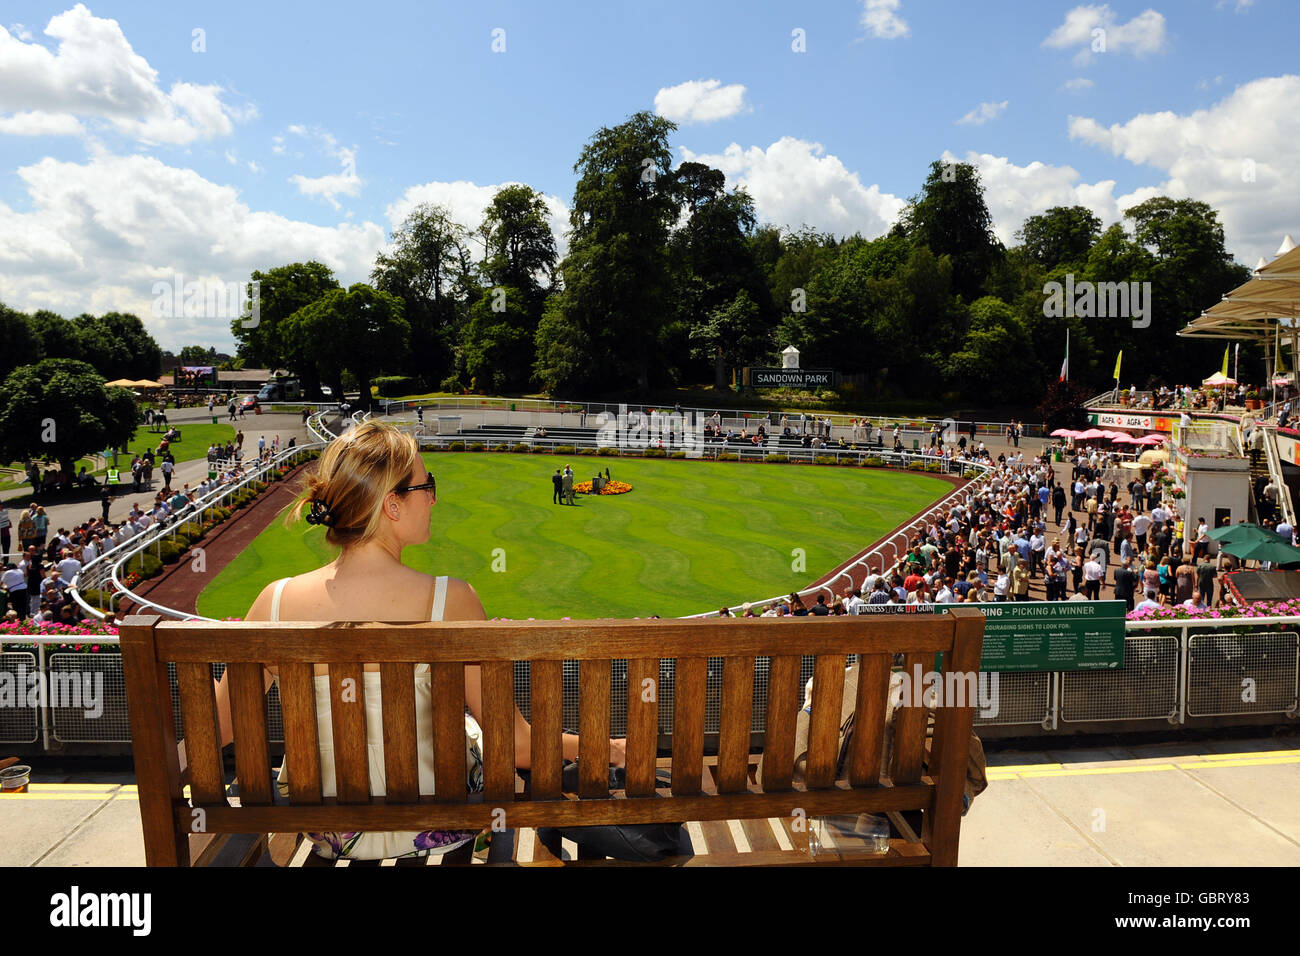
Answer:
x=1160 y=514
x=1150 y=602
x=945 y=595
x=854 y=602
x=1141 y=525
x=91 y=551
x=1092 y=575
x=69 y=566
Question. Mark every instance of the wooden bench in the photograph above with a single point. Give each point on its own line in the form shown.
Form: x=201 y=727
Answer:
x=732 y=820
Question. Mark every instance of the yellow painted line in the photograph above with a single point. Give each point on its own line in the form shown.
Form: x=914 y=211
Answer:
x=55 y=787
x=56 y=796
x=1239 y=763
x=1249 y=756
x=1016 y=768
x=1087 y=772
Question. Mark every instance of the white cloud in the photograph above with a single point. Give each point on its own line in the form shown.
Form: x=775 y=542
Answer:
x=94 y=74
x=41 y=124
x=277 y=145
x=1095 y=29
x=794 y=182
x=100 y=233
x=881 y=18
x=1078 y=84
x=983 y=113
x=1239 y=156
x=1239 y=6
x=346 y=182
x=700 y=101
x=21 y=32
x=466 y=202
x=254 y=167
x=231 y=158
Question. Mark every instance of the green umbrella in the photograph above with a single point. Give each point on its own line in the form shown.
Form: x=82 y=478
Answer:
x=1275 y=551
x=1242 y=533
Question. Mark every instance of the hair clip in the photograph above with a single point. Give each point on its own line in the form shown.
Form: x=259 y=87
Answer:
x=320 y=514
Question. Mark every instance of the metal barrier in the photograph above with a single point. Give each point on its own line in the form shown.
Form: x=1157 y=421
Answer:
x=1146 y=687
x=19 y=722
x=1023 y=698
x=1230 y=673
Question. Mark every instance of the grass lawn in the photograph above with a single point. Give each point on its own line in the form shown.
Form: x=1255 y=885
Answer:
x=690 y=536
x=195 y=439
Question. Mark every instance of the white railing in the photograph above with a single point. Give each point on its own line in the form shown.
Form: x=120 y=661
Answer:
x=105 y=572
x=1276 y=475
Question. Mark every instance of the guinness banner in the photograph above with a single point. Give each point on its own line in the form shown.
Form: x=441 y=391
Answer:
x=791 y=378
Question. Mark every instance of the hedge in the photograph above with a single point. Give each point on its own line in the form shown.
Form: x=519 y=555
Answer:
x=588 y=451
x=456 y=446
x=823 y=460
x=728 y=456
x=168 y=552
x=655 y=453
x=781 y=459
x=678 y=454
x=390 y=386
x=501 y=447
x=874 y=463
x=191 y=531
x=476 y=446
x=145 y=564
x=607 y=452
x=521 y=449
x=566 y=450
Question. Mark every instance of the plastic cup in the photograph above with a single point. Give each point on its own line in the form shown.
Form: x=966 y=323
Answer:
x=15 y=779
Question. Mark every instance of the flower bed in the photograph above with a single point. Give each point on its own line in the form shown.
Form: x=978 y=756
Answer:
x=1226 y=612
x=610 y=488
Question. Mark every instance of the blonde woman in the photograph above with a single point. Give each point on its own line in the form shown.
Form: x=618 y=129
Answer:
x=374 y=498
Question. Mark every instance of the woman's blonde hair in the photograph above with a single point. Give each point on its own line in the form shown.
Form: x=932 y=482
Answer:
x=346 y=491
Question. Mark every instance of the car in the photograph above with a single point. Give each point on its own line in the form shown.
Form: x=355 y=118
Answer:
x=249 y=402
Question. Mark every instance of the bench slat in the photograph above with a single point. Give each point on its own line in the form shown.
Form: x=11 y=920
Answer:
x=642 y=725
x=530 y=641
x=401 y=751
x=498 y=684
x=688 y=724
x=449 y=732
x=202 y=743
x=783 y=702
x=334 y=816
x=248 y=719
x=909 y=723
x=348 y=724
x=593 y=728
x=547 y=729
x=824 y=728
x=301 y=746
x=733 y=731
x=865 y=750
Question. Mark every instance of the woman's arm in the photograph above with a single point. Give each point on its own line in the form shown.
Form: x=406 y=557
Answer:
x=463 y=604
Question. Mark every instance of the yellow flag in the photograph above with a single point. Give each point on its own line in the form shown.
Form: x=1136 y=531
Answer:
x=1117 y=361
x=1225 y=363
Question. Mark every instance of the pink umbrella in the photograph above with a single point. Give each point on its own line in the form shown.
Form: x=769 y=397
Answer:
x=1150 y=440
x=1065 y=433
x=1092 y=433
x=1124 y=440
x=1114 y=435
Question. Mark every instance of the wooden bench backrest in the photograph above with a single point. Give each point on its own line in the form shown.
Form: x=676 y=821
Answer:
x=149 y=645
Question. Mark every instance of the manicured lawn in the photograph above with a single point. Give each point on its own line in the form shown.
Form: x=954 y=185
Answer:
x=690 y=536
x=195 y=439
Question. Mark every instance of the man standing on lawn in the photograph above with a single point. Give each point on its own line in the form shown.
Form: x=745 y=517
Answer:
x=567 y=485
x=558 y=481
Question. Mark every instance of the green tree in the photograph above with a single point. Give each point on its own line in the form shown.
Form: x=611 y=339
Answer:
x=198 y=355
x=282 y=291
x=359 y=330
x=993 y=364
x=1062 y=234
x=519 y=243
x=616 y=276
x=950 y=217
x=497 y=344
x=429 y=270
x=60 y=407
x=733 y=334
x=21 y=346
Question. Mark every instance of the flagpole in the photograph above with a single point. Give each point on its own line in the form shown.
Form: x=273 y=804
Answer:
x=1067 y=354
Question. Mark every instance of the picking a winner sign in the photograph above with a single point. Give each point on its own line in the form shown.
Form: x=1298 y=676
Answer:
x=1040 y=635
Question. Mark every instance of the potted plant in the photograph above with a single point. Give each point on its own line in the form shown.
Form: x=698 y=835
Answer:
x=1252 y=399
x=1123 y=396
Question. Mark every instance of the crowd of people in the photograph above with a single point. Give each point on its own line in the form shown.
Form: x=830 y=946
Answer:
x=1021 y=523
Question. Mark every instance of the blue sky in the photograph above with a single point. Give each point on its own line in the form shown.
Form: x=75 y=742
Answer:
x=298 y=131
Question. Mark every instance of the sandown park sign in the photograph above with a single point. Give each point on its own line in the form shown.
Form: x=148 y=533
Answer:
x=791 y=378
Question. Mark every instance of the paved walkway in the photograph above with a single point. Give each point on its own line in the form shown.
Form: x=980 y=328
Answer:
x=187 y=472
x=1206 y=803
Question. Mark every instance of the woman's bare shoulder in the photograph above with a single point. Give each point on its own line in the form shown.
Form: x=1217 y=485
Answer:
x=463 y=602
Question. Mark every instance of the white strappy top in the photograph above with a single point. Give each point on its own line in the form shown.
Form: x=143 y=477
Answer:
x=379 y=845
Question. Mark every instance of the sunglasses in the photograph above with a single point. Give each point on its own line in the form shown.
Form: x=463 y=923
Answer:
x=428 y=485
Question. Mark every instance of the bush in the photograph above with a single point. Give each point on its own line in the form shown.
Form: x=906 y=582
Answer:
x=678 y=454
x=971 y=473
x=501 y=447
x=587 y=451
x=874 y=462
x=655 y=453
x=521 y=449
x=607 y=452
x=566 y=450
x=476 y=446
x=146 y=565
x=191 y=531
x=823 y=460
x=777 y=458
x=456 y=446
x=168 y=553
x=181 y=541
x=916 y=466
x=934 y=467
x=728 y=456
x=848 y=461
x=390 y=386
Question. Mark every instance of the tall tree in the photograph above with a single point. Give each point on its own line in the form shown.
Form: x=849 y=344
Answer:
x=21 y=346
x=1062 y=234
x=429 y=270
x=360 y=330
x=269 y=342
x=520 y=244
x=616 y=276
x=60 y=407
x=950 y=217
